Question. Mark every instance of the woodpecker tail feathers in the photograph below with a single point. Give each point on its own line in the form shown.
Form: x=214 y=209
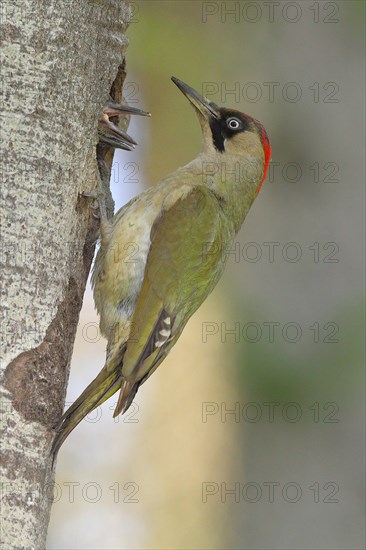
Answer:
x=99 y=390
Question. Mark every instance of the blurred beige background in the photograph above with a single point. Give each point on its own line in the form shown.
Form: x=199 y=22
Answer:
x=285 y=469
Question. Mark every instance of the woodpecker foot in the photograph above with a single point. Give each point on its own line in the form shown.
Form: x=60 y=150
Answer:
x=93 y=195
x=98 y=204
x=90 y=195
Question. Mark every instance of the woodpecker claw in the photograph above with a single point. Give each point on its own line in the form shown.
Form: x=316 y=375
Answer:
x=89 y=194
x=110 y=133
x=93 y=196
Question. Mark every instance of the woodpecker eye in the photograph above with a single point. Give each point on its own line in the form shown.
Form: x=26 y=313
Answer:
x=233 y=123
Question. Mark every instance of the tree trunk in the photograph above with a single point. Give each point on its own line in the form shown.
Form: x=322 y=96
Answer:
x=60 y=60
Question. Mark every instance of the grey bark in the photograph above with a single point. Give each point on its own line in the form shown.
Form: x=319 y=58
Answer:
x=59 y=61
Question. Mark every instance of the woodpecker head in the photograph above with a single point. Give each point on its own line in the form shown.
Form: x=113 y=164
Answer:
x=109 y=133
x=228 y=131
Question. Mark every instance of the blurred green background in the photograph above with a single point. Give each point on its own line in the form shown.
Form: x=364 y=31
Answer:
x=285 y=468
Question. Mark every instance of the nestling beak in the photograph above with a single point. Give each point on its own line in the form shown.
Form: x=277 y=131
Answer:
x=110 y=133
x=111 y=108
x=207 y=108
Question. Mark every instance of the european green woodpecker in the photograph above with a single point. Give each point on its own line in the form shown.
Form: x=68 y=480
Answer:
x=163 y=253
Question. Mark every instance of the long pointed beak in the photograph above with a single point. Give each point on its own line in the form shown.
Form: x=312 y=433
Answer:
x=202 y=104
x=110 y=134
x=111 y=108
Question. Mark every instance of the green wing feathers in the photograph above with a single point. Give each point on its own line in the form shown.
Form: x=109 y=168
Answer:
x=183 y=266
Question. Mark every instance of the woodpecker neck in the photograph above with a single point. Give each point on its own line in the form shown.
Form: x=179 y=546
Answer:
x=234 y=178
